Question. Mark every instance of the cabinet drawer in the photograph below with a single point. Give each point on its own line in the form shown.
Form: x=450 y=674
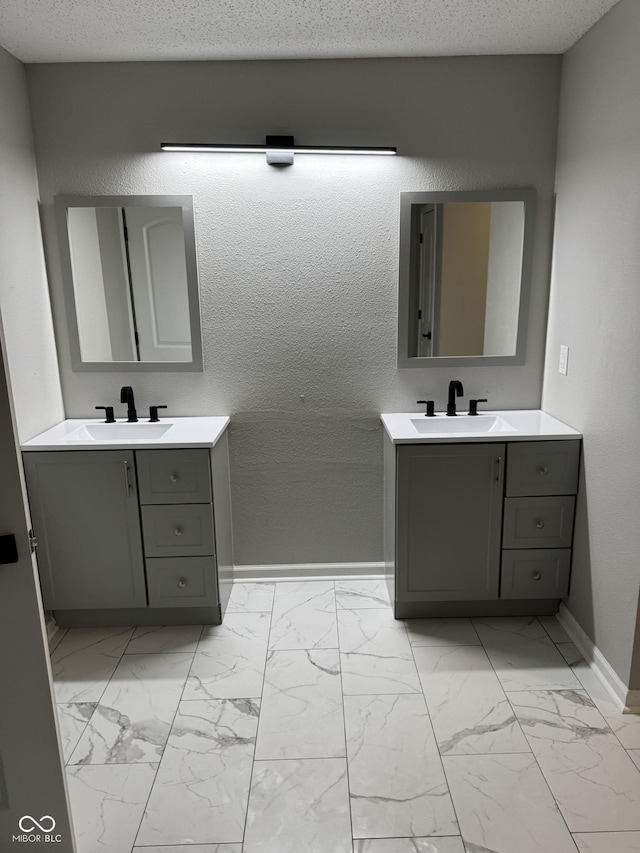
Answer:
x=181 y=582
x=177 y=530
x=173 y=476
x=543 y=468
x=545 y=522
x=536 y=573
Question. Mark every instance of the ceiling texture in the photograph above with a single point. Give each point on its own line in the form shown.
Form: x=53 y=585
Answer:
x=137 y=30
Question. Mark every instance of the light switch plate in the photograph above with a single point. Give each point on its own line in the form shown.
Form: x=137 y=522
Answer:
x=564 y=359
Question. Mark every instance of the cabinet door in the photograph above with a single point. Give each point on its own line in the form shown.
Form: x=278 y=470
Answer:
x=84 y=507
x=449 y=511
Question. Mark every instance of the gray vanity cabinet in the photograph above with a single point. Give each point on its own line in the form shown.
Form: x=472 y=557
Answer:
x=84 y=508
x=133 y=537
x=479 y=528
x=449 y=521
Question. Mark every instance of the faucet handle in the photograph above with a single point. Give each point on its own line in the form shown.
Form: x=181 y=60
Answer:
x=430 y=412
x=473 y=405
x=153 y=413
x=108 y=410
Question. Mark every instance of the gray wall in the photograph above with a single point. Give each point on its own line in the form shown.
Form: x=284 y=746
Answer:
x=24 y=296
x=595 y=309
x=298 y=267
x=27 y=329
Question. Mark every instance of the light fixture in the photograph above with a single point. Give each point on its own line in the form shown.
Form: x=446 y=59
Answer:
x=279 y=149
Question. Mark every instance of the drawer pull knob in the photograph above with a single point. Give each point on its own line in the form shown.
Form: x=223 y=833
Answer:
x=174 y=478
x=543 y=469
x=182 y=583
x=177 y=531
x=540 y=524
x=537 y=576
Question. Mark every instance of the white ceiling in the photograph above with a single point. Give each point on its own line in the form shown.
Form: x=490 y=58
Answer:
x=120 y=30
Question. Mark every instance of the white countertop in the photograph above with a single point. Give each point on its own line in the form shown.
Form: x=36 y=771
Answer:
x=521 y=425
x=183 y=432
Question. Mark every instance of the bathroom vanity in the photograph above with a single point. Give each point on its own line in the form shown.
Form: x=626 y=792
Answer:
x=132 y=521
x=479 y=512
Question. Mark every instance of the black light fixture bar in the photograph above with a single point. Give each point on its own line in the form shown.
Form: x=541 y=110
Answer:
x=276 y=143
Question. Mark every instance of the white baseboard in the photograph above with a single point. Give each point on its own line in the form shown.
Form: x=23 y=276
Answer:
x=627 y=700
x=309 y=572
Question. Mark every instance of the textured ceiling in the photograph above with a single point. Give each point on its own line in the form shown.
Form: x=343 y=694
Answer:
x=103 y=30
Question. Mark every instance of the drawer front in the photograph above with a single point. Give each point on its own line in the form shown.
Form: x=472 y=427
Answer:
x=545 y=522
x=182 y=582
x=173 y=476
x=536 y=573
x=177 y=530
x=542 y=468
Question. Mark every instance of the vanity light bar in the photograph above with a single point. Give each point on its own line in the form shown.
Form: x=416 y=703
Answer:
x=277 y=143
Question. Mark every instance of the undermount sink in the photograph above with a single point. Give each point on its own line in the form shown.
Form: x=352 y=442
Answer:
x=488 y=426
x=97 y=434
x=120 y=432
x=460 y=425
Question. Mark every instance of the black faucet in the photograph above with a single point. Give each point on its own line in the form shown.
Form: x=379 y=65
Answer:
x=126 y=396
x=430 y=404
x=108 y=410
x=455 y=390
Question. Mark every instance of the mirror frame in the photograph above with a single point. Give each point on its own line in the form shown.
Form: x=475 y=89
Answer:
x=62 y=203
x=407 y=200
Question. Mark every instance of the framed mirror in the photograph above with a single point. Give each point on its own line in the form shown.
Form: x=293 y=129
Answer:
x=464 y=279
x=130 y=280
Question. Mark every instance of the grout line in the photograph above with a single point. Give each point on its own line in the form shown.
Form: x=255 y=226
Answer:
x=151 y=787
x=392 y=693
x=236 y=612
x=531 y=752
x=305 y=758
x=583 y=687
x=556 y=690
x=118 y=764
x=604 y=831
x=344 y=719
x=52 y=646
x=108 y=682
x=548 y=633
x=255 y=745
x=302 y=649
x=67 y=763
x=483 y=754
x=433 y=732
x=152 y=654
x=411 y=837
x=535 y=758
x=144 y=764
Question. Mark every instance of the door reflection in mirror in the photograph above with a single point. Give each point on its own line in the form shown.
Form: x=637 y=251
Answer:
x=130 y=283
x=465 y=278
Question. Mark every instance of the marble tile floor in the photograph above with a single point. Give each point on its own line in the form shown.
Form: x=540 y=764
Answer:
x=313 y=722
